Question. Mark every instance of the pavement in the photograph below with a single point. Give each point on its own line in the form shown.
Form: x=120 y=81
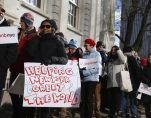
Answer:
x=6 y=99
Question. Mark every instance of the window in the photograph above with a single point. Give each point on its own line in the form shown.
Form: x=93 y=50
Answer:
x=36 y=3
x=73 y=12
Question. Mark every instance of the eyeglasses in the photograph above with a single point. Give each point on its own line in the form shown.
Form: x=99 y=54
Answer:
x=43 y=26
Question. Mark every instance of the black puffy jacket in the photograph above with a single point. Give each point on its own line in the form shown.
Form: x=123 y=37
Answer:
x=47 y=48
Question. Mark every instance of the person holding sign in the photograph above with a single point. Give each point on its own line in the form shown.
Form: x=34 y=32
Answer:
x=26 y=34
x=8 y=54
x=48 y=50
x=90 y=78
x=147 y=80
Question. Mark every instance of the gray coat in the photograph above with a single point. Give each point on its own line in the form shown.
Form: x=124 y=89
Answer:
x=113 y=69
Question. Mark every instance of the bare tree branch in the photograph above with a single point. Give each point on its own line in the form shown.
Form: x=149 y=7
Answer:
x=130 y=22
x=121 y=39
x=148 y=24
x=139 y=40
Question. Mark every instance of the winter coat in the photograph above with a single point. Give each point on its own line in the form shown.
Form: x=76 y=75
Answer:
x=18 y=66
x=114 y=68
x=93 y=73
x=147 y=80
x=47 y=48
x=134 y=70
x=8 y=55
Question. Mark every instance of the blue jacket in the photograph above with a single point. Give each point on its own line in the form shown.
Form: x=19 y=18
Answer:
x=93 y=74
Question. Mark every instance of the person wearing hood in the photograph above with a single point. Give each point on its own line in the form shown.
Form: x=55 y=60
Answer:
x=90 y=78
x=8 y=54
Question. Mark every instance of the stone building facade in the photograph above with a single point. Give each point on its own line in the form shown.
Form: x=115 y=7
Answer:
x=77 y=19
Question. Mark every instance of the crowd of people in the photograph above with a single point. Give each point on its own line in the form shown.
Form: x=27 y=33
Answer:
x=100 y=88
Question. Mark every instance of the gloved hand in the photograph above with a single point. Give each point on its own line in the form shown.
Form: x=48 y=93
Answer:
x=46 y=62
x=81 y=72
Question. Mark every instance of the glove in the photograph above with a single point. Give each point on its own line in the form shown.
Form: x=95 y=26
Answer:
x=81 y=73
x=46 y=62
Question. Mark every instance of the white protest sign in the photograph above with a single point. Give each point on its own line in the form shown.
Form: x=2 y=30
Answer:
x=143 y=88
x=8 y=35
x=91 y=63
x=51 y=86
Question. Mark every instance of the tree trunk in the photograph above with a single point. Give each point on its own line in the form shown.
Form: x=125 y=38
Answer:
x=139 y=40
x=130 y=22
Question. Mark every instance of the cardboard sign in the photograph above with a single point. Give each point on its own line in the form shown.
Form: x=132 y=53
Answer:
x=52 y=86
x=17 y=86
x=91 y=63
x=8 y=35
x=143 y=88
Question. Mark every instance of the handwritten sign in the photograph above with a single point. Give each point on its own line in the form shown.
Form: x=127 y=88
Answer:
x=143 y=88
x=91 y=63
x=8 y=35
x=51 y=86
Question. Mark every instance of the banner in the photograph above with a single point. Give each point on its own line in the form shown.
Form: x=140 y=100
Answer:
x=143 y=88
x=8 y=35
x=52 y=85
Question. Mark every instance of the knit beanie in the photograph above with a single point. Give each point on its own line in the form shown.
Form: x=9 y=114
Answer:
x=90 y=41
x=52 y=23
x=73 y=43
x=28 y=19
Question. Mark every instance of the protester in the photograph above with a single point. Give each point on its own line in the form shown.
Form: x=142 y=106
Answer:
x=72 y=49
x=47 y=49
x=146 y=99
x=8 y=55
x=90 y=79
x=98 y=101
x=135 y=74
x=116 y=61
x=27 y=32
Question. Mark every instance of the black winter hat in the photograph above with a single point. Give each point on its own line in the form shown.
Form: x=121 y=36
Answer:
x=99 y=43
x=52 y=23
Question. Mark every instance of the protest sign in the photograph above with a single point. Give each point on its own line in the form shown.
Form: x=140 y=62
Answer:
x=91 y=63
x=8 y=35
x=52 y=85
x=143 y=88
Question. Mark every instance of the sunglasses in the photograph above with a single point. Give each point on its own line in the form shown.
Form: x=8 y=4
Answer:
x=43 y=26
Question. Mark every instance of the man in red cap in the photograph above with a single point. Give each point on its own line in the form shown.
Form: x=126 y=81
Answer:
x=90 y=78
